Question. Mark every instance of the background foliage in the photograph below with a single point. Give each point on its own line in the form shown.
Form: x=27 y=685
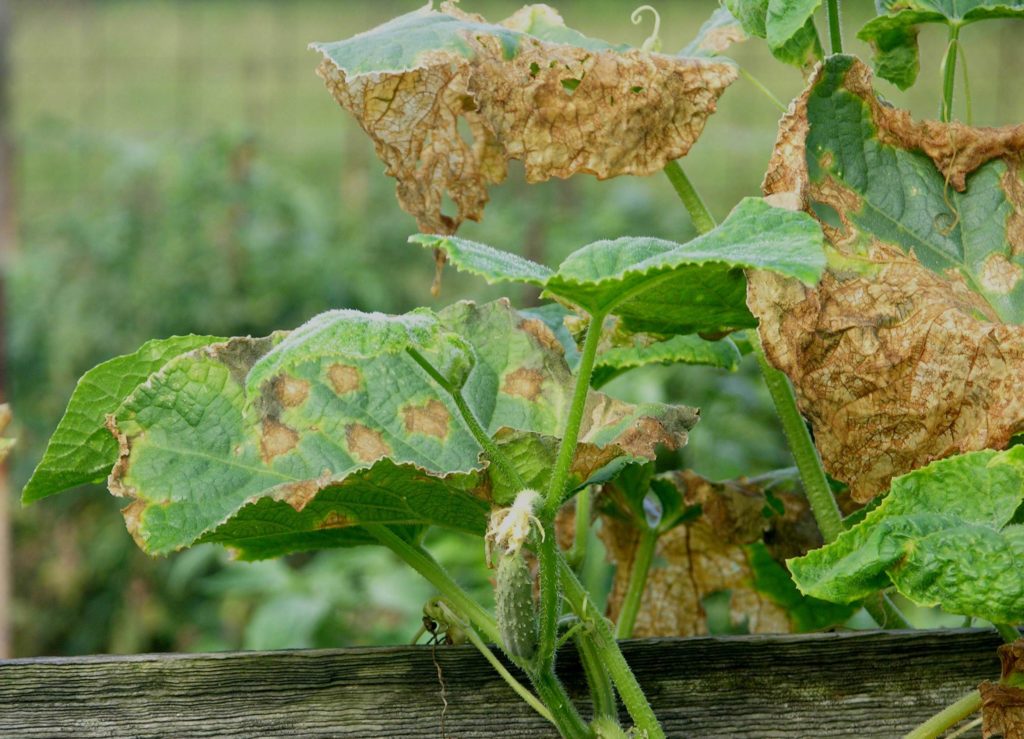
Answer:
x=181 y=169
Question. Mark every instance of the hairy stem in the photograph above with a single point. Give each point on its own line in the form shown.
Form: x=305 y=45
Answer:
x=564 y=714
x=578 y=553
x=835 y=27
x=699 y=213
x=642 y=558
x=1009 y=633
x=482 y=437
x=823 y=503
x=949 y=716
x=949 y=74
x=610 y=655
x=421 y=560
x=508 y=677
x=602 y=693
x=567 y=448
x=550 y=603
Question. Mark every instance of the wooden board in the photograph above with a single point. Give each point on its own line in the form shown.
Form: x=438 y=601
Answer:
x=853 y=684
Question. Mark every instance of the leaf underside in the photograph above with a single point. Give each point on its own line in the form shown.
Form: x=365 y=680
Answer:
x=275 y=445
x=528 y=88
x=942 y=536
x=893 y=34
x=910 y=348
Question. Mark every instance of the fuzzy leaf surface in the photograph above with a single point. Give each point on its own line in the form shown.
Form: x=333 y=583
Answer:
x=942 y=537
x=663 y=287
x=255 y=443
x=527 y=88
x=893 y=34
x=81 y=449
x=910 y=347
x=687 y=349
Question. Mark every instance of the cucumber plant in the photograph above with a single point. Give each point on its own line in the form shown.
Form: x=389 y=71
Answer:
x=878 y=282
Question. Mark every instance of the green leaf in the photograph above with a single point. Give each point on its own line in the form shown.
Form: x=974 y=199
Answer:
x=893 y=34
x=81 y=449
x=663 y=287
x=676 y=350
x=717 y=33
x=494 y=265
x=942 y=537
x=787 y=25
x=255 y=443
x=805 y=613
x=667 y=288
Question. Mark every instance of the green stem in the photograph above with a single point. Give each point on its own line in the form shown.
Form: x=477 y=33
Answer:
x=885 y=613
x=949 y=716
x=699 y=213
x=421 y=560
x=578 y=553
x=602 y=693
x=566 y=450
x=1009 y=633
x=550 y=603
x=482 y=438
x=949 y=74
x=564 y=714
x=642 y=558
x=823 y=503
x=835 y=27
x=509 y=678
x=609 y=654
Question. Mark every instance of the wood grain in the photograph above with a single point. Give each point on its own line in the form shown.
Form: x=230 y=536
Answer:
x=853 y=684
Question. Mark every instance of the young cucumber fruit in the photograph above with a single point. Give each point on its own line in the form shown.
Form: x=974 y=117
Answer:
x=514 y=607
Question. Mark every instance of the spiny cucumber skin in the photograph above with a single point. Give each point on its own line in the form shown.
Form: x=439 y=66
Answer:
x=514 y=607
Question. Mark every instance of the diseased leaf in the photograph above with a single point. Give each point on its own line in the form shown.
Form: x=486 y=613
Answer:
x=662 y=287
x=717 y=34
x=893 y=34
x=787 y=26
x=910 y=348
x=942 y=536
x=528 y=88
x=81 y=450
x=252 y=442
x=1002 y=703
x=714 y=546
x=494 y=265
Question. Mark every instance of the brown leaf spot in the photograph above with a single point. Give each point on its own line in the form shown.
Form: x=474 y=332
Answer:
x=298 y=494
x=431 y=418
x=540 y=331
x=365 y=444
x=335 y=520
x=344 y=378
x=290 y=391
x=276 y=439
x=719 y=39
x=133 y=520
x=1000 y=275
x=523 y=383
x=115 y=481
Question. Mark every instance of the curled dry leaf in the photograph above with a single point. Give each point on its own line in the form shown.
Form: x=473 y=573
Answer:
x=1002 y=703
x=910 y=348
x=708 y=554
x=448 y=99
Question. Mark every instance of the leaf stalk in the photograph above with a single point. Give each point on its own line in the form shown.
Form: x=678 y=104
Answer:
x=642 y=558
x=835 y=27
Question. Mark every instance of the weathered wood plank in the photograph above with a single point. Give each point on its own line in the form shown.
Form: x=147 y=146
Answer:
x=876 y=684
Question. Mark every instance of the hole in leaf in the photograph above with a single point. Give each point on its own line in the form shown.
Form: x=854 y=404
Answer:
x=534 y=69
x=465 y=133
x=636 y=89
x=570 y=84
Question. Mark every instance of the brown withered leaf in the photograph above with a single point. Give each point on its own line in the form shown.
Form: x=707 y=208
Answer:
x=910 y=348
x=448 y=99
x=1002 y=711
x=705 y=555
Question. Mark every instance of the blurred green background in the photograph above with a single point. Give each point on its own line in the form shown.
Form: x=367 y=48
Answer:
x=180 y=168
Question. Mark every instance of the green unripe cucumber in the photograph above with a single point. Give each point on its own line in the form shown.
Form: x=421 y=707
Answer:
x=514 y=607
